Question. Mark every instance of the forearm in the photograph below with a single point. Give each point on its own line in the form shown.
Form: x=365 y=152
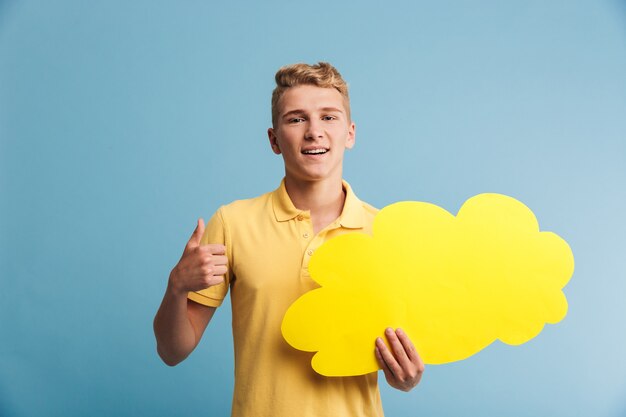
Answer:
x=179 y=323
x=175 y=334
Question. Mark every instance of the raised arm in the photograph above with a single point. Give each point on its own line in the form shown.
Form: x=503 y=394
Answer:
x=179 y=323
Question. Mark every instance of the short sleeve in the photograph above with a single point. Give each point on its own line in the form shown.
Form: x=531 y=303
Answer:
x=215 y=232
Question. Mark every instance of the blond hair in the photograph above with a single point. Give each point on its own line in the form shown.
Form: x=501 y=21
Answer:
x=321 y=74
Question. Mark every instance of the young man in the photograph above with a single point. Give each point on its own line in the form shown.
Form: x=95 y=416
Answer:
x=259 y=249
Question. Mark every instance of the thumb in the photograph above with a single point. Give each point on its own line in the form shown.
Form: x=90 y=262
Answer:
x=194 y=240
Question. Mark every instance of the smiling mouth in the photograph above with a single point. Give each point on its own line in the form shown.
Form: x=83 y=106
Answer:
x=320 y=151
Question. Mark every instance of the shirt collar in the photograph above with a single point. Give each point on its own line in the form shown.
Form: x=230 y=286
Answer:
x=351 y=216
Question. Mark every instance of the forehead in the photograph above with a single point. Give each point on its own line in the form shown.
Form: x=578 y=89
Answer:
x=310 y=98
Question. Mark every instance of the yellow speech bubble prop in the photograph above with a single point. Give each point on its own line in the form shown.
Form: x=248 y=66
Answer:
x=454 y=284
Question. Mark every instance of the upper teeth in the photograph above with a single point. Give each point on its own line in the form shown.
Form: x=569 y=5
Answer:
x=315 y=151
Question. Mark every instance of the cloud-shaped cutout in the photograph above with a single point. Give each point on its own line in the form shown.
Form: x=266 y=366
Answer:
x=455 y=284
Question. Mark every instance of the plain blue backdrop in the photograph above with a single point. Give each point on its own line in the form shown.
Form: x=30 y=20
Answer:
x=122 y=122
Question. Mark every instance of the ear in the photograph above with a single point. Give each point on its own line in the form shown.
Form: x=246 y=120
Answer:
x=351 y=139
x=273 y=140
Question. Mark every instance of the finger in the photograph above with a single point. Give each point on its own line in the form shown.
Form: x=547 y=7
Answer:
x=409 y=348
x=216 y=249
x=205 y=254
x=212 y=249
x=383 y=365
x=388 y=358
x=219 y=259
x=219 y=270
x=194 y=240
x=215 y=280
x=206 y=281
x=398 y=350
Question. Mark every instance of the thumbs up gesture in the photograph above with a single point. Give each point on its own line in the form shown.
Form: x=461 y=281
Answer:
x=200 y=266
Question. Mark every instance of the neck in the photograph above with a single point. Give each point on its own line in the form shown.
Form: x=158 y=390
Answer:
x=323 y=199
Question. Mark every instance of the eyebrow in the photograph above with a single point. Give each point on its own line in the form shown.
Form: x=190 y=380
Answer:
x=301 y=111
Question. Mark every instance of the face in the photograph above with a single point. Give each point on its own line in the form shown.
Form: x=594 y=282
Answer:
x=312 y=132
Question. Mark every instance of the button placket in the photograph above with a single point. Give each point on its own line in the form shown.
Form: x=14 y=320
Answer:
x=314 y=244
x=305 y=230
x=304 y=226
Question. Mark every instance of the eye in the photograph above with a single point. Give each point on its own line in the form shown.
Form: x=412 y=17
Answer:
x=329 y=118
x=294 y=120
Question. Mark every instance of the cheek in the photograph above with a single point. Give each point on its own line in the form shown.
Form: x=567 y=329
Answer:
x=348 y=141
x=288 y=150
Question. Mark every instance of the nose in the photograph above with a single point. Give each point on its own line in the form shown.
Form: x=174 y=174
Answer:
x=314 y=130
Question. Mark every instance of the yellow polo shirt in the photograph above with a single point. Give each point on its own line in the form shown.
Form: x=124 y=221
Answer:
x=269 y=243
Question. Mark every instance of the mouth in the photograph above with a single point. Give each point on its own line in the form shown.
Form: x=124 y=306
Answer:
x=315 y=151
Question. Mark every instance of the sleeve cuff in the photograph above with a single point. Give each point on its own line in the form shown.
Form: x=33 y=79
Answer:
x=204 y=300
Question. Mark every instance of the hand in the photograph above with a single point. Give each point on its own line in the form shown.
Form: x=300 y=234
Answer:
x=200 y=266
x=403 y=368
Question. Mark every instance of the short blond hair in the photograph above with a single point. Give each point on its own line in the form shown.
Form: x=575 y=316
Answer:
x=321 y=74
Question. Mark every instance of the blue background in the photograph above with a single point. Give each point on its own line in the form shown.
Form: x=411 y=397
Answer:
x=122 y=122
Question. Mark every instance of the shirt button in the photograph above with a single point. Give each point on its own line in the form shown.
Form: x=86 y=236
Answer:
x=300 y=217
x=305 y=235
x=309 y=252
